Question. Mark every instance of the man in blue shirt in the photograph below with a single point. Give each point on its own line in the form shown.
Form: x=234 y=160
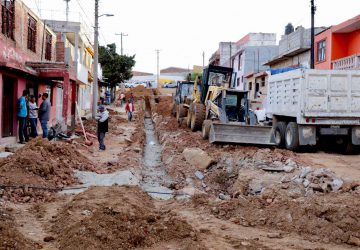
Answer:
x=22 y=115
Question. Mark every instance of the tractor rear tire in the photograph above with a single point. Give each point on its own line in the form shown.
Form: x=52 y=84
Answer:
x=181 y=112
x=173 y=110
x=197 y=117
x=188 y=118
x=279 y=134
x=206 y=129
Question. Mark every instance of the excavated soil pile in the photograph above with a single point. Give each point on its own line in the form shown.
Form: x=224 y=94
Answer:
x=10 y=237
x=139 y=92
x=326 y=218
x=119 y=218
x=164 y=106
x=40 y=163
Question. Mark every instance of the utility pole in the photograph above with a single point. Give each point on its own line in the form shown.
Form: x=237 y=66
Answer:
x=96 y=60
x=67 y=10
x=121 y=34
x=158 y=67
x=203 y=55
x=312 y=56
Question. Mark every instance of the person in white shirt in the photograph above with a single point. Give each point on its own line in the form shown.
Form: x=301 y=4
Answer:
x=33 y=116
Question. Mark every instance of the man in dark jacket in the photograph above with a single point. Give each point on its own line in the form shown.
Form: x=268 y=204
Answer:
x=103 y=125
x=44 y=114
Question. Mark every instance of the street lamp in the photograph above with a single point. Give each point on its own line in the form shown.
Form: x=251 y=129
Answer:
x=96 y=57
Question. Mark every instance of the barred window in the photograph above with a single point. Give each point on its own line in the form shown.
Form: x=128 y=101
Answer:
x=31 y=41
x=8 y=18
x=321 y=50
x=48 y=46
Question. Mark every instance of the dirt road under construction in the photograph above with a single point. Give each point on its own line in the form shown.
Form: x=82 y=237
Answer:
x=161 y=186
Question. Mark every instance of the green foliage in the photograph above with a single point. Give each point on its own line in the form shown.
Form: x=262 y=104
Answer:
x=194 y=75
x=116 y=68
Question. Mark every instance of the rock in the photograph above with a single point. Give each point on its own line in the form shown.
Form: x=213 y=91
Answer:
x=27 y=199
x=198 y=158
x=203 y=185
x=291 y=162
x=350 y=185
x=224 y=197
x=295 y=193
x=128 y=140
x=305 y=172
x=269 y=201
x=337 y=184
x=274 y=235
x=306 y=183
x=289 y=169
x=137 y=150
x=199 y=175
x=277 y=164
x=49 y=239
x=86 y=213
x=245 y=243
x=255 y=187
x=5 y=154
x=354 y=241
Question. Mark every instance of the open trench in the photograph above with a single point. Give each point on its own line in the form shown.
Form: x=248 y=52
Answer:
x=152 y=177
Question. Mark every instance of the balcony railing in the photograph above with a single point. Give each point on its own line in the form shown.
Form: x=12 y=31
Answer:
x=350 y=62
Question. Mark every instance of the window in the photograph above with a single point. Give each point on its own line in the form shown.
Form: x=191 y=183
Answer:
x=263 y=82
x=8 y=18
x=240 y=62
x=250 y=86
x=238 y=82
x=48 y=46
x=321 y=51
x=31 y=41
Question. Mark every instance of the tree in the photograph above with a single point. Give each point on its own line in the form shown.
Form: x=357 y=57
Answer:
x=116 y=68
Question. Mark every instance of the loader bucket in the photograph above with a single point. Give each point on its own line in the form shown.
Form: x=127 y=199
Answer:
x=242 y=134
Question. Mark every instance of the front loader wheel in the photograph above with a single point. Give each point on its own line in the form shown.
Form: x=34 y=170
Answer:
x=197 y=117
x=279 y=134
x=206 y=129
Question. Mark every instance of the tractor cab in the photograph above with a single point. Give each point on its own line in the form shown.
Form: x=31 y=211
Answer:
x=227 y=105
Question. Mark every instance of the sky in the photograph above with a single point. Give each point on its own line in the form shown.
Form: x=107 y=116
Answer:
x=183 y=29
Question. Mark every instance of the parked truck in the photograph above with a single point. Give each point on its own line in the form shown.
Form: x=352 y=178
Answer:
x=305 y=106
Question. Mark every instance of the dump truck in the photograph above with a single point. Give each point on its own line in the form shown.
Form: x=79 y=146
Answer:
x=305 y=106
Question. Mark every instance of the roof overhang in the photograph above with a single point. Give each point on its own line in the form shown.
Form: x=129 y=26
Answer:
x=348 y=26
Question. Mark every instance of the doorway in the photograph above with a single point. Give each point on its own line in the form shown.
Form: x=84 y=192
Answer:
x=8 y=107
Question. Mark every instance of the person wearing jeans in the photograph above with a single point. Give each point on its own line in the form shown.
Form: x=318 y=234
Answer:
x=22 y=115
x=44 y=114
x=102 y=117
x=129 y=108
x=33 y=116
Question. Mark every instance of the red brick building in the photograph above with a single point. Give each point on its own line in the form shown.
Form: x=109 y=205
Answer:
x=30 y=58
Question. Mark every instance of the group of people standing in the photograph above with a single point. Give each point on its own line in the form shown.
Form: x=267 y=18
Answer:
x=28 y=113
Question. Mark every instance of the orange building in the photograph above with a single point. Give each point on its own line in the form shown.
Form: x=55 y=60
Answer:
x=338 y=47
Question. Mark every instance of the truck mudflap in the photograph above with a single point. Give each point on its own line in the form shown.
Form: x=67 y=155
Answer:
x=242 y=134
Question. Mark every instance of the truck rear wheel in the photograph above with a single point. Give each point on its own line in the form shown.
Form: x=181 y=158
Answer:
x=292 y=136
x=279 y=134
x=206 y=129
x=181 y=112
x=197 y=117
